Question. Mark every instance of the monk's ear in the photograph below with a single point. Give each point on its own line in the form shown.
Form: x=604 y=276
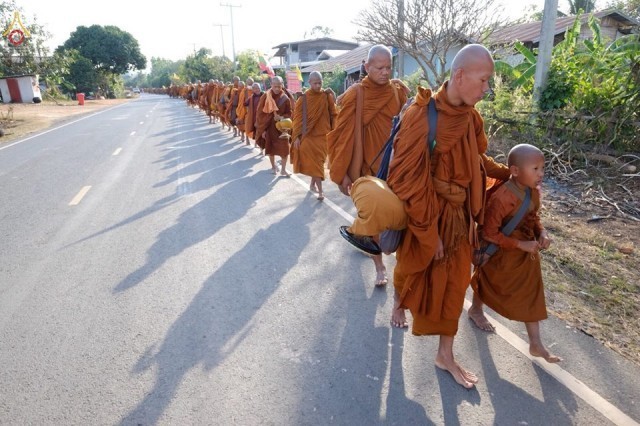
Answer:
x=457 y=76
x=514 y=170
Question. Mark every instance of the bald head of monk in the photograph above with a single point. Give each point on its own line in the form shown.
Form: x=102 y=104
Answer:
x=526 y=164
x=240 y=85
x=315 y=81
x=276 y=84
x=471 y=70
x=378 y=65
x=249 y=82
x=256 y=89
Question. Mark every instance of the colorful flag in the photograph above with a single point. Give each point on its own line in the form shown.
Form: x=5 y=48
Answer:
x=296 y=68
x=265 y=66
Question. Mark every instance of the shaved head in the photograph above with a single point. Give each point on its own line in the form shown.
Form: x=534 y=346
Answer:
x=469 y=56
x=471 y=70
x=378 y=50
x=315 y=81
x=522 y=154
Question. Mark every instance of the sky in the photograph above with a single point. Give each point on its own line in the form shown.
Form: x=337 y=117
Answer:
x=174 y=30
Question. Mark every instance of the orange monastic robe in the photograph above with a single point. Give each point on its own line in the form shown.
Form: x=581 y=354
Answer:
x=380 y=104
x=250 y=119
x=444 y=196
x=241 y=109
x=510 y=283
x=273 y=144
x=311 y=124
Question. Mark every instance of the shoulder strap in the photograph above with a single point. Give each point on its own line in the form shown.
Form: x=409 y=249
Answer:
x=304 y=114
x=433 y=123
x=513 y=223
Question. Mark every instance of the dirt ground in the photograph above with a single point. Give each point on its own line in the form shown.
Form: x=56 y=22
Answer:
x=591 y=208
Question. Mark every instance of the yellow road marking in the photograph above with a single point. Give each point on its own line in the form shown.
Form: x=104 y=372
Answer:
x=79 y=196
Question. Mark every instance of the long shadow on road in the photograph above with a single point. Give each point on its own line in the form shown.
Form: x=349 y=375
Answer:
x=220 y=313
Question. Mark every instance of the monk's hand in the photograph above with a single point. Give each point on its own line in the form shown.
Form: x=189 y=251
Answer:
x=276 y=116
x=439 y=250
x=345 y=187
x=544 y=241
x=529 y=246
x=296 y=143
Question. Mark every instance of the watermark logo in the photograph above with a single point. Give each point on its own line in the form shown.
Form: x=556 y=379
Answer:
x=16 y=32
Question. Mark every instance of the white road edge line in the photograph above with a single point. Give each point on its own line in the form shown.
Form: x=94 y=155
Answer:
x=60 y=127
x=80 y=195
x=117 y=151
x=576 y=386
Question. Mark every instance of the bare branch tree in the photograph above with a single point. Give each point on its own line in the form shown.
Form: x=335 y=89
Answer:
x=432 y=28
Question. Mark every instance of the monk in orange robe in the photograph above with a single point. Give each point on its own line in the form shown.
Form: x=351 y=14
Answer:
x=232 y=105
x=223 y=102
x=252 y=113
x=274 y=106
x=444 y=195
x=241 y=110
x=510 y=282
x=314 y=115
x=352 y=156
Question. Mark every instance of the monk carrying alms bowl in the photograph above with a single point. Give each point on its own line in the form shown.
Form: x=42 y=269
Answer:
x=284 y=126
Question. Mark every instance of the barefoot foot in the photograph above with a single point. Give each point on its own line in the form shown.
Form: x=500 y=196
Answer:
x=542 y=352
x=381 y=278
x=399 y=318
x=479 y=320
x=320 y=196
x=463 y=377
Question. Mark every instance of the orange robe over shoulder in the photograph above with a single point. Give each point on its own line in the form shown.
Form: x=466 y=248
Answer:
x=380 y=104
x=444 y=195
x=319 y=116
x=273 y=144
x=510 y=283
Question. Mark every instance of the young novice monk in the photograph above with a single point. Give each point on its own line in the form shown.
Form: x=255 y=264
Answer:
x=510 y=282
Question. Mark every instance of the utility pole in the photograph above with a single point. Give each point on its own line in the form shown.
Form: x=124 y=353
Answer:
x=400 y=57
x=221 y=35
x=233 y=46
x=545 y=48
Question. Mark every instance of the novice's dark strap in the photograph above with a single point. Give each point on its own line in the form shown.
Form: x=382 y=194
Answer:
x=513 y=223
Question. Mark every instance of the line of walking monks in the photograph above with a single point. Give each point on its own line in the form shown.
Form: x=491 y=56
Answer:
x=443 y=191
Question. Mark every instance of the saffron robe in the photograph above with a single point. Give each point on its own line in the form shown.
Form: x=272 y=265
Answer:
x=250 y=118
x=265 y=122
x=320 y=114
x=443 y=194
x=510 y=283
x=380 y=104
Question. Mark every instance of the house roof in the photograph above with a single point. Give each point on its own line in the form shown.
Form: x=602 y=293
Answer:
x=331 y=53
x=349 y=61
x=530 y=32
x=282 y=47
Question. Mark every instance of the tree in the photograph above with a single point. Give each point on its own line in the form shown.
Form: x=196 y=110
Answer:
x=632 y=7
x=201 y=66
x=161 y=72
x=108 y=48
x=581 y=6
x=248 y=64
x=319 y=31
x=430 y=30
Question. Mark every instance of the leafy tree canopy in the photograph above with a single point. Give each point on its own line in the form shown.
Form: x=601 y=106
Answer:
x=108 y=48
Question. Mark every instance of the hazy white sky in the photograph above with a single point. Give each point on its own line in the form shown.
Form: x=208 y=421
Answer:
x=172 y=30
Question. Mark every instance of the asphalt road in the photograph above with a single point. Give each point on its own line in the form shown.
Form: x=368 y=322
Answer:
x=153 y=271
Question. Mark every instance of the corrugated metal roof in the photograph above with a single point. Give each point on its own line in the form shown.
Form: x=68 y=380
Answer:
x=529 y=32
x=349 y=61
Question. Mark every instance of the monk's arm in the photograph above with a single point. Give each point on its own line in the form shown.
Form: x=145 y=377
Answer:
x=498 y=207
x=494 y=169
x=333 y=112
x=262 y=118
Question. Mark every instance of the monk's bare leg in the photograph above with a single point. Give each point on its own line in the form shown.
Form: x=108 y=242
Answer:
x=536 y=348
x=381 y=271
x=398 y=315
x=445 y=361
x=283 y=166
x=476 y=315
x=319 y=186
x=274 y=168
x=312 y=185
